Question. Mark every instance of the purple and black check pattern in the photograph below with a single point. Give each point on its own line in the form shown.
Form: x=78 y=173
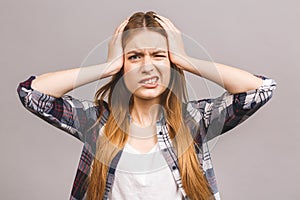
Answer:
x=206 y=119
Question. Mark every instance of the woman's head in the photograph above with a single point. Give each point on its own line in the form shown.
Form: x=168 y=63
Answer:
x=147 y=72
x=147 y=67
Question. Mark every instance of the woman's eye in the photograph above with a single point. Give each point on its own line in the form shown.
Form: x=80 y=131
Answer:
x=134 y=57
x=161 y=56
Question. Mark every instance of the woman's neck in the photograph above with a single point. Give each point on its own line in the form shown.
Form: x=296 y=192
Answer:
x=144 y=113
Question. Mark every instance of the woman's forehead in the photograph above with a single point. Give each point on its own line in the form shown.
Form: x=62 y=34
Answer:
x=147 y=40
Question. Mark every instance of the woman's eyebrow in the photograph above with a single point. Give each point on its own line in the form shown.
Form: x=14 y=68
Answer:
x=159 y=51
x=140 y=52
x=134 y=52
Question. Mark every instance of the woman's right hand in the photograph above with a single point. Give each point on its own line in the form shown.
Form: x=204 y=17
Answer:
x=115 y=57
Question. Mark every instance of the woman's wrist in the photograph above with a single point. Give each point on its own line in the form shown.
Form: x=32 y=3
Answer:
x=187 y=63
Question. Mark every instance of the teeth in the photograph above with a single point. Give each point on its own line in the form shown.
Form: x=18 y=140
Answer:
x=151 y=81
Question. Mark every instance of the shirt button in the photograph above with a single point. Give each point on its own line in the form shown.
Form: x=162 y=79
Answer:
x=165 y=150
x=160 y=133
x=174 y=167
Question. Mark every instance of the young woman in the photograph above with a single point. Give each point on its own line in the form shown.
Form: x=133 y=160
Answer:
x=146 y=113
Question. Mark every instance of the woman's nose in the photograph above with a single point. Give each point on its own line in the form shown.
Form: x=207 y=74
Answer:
x=147 y=65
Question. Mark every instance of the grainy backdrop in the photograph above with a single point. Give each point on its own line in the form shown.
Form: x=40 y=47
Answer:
x=257 y=160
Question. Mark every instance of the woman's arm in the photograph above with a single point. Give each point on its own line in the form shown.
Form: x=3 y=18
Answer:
x=245 y=94
x=45 y=96
x=219 y=115
x=58 y=83
x=69 y=114
x=234 y=80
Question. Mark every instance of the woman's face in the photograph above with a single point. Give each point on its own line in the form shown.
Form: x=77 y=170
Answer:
x=146 y=64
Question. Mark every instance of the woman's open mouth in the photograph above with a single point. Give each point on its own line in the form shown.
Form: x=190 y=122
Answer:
x=151 y=82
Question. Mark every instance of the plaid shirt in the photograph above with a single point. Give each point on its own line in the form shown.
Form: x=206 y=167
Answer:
x=213 y=117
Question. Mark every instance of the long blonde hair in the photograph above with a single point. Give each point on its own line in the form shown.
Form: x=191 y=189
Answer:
x=117 y=125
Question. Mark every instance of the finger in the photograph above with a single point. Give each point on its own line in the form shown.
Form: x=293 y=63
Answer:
x=169 y=24
x=162 y=23
x=165 y=22
x=122 y=26
x=119 y=30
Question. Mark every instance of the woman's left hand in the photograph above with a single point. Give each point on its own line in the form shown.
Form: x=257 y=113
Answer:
x=177 y=52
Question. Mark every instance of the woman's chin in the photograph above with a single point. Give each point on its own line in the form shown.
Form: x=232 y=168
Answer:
x=148 y=95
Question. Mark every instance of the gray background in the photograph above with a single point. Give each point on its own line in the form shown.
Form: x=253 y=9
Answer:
x=259 y=159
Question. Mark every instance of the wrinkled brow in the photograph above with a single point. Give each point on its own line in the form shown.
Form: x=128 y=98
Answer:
x=138 y=51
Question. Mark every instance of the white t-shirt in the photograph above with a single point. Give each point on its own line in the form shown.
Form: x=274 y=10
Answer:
x=143 y=176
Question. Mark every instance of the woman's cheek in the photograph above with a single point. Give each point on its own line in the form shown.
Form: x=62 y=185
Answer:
x=129 y=67
x=165 y=71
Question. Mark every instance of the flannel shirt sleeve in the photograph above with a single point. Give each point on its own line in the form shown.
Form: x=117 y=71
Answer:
x=216 y=116
x=66 y=113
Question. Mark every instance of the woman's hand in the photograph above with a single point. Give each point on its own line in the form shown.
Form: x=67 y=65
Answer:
x=177 y=52
x=115 y=57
